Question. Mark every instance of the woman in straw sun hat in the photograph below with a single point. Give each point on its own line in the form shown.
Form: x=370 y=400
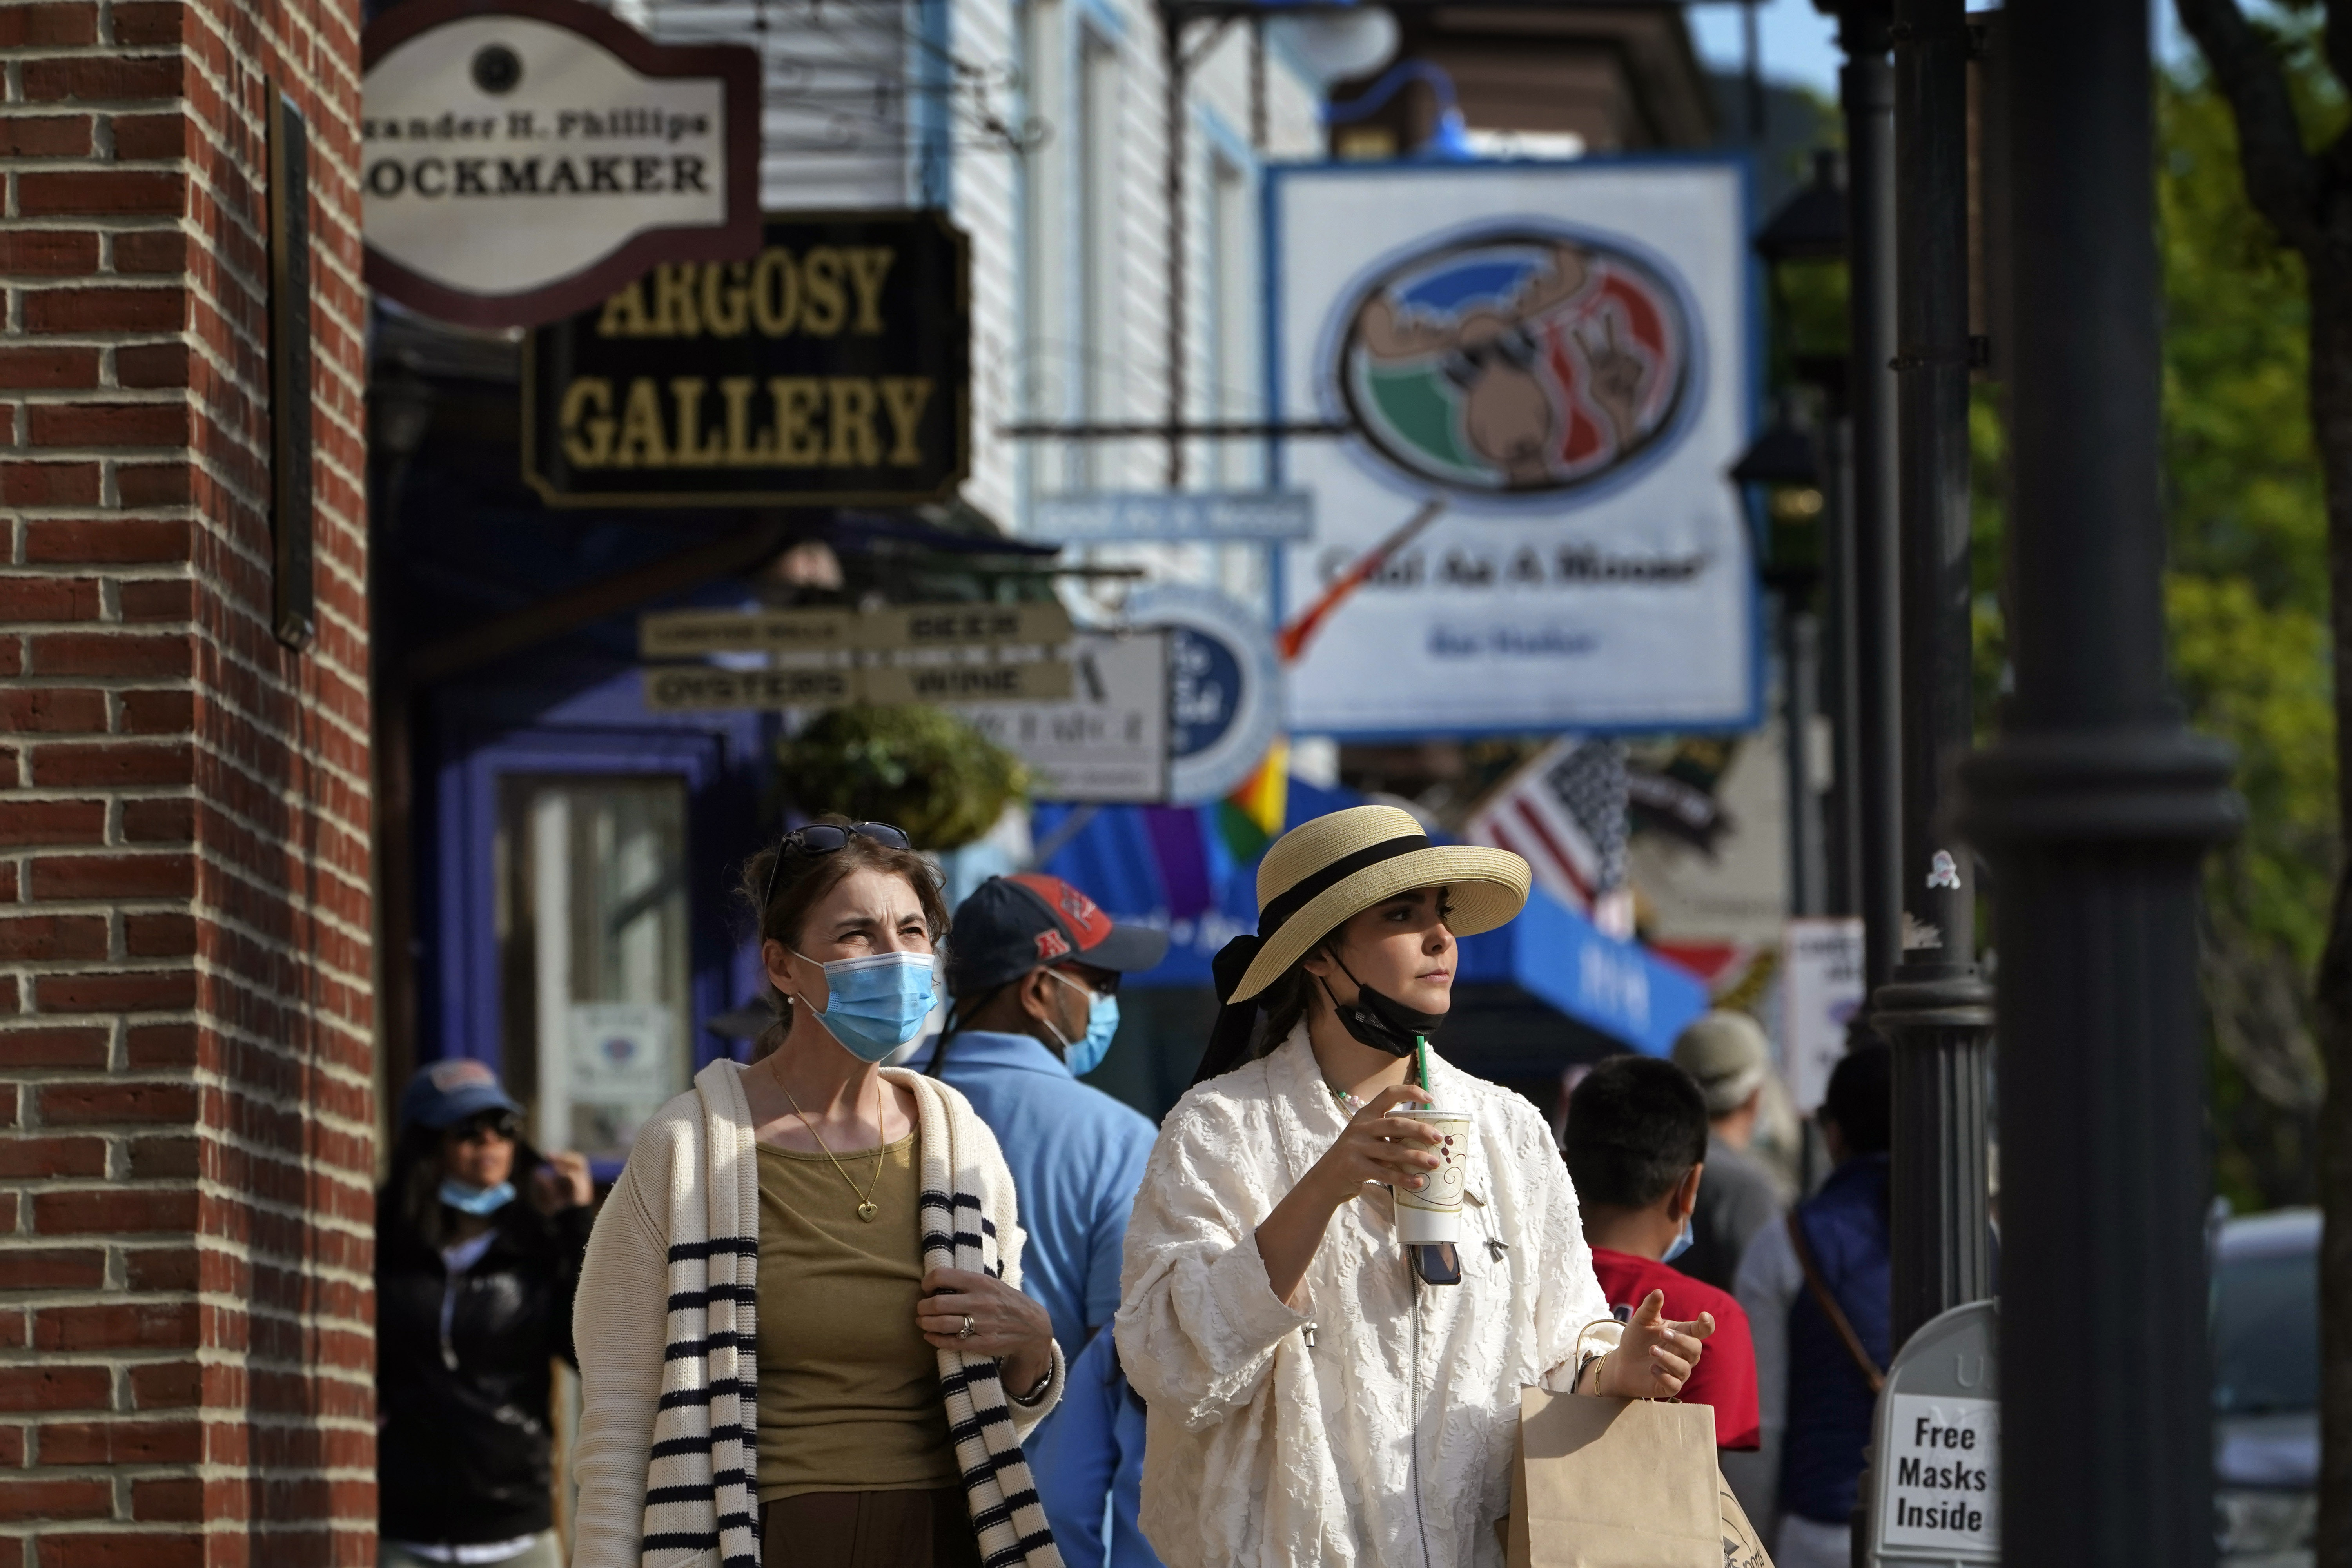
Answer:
x=1312 y=1400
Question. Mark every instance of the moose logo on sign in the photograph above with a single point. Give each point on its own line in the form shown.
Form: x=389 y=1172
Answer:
x=1519 y=362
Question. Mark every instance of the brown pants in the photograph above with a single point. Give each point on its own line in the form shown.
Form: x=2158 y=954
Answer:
x=870 y=1529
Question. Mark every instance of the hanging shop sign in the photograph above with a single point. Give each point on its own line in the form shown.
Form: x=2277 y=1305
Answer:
x=691 y=634
x=693 y=688
x=823 y=657
x=1107 y=741
x=1570 y=393
x=1224 y=688
x=520 y=159
x=831 y=368
x=1239 y=516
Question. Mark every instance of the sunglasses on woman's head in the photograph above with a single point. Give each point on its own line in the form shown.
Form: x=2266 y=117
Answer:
x=826 y=838
x=473 y=1129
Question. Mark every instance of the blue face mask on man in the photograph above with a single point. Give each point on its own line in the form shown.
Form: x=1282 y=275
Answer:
x=877 y=1004
x=1102 y=1023
x=1681 y=1243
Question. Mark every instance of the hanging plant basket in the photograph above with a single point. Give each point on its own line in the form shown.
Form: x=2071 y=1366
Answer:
x=919 y=768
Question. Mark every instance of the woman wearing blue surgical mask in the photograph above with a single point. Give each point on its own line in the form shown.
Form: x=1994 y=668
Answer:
x=801 y=1330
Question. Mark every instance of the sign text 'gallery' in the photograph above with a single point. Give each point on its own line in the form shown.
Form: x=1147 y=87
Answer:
x=833 y=367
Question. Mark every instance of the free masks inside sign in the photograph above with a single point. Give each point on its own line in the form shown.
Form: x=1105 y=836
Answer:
x=1550 y=364
x=1940 y=1484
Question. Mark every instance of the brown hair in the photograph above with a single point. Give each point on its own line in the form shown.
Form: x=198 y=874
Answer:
x=804 y=880
x=1286 y=999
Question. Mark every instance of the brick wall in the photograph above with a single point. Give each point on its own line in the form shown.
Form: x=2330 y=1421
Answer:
x=186 y=1113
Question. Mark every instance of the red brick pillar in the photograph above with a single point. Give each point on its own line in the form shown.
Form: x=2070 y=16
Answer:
x=185 y=1104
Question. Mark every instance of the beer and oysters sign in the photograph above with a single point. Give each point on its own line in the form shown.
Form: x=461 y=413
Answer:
x=520 y=159
x=823 y=658
x=831 y=367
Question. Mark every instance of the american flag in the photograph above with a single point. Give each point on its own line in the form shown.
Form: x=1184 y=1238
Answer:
x=1564 y=813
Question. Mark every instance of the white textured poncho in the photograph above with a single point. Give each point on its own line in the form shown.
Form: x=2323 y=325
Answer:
x=1266 y=1453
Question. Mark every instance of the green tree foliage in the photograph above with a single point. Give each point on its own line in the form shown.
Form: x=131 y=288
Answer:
x=2247 y=601
x=917 y=768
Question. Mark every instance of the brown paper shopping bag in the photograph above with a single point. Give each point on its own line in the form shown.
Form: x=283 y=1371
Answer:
x=1616 y=1483
x=1741 y=1549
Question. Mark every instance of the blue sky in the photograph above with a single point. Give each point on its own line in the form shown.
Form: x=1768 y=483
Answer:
x=1799 y=43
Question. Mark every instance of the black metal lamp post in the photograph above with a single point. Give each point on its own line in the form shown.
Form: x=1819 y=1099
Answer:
x=1936 y=1009
x=2095 y=806
x=1866 y=95
x=1782 y=466
x=1813 y=470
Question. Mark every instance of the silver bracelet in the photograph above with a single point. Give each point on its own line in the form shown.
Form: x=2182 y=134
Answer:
x=1038 y=1393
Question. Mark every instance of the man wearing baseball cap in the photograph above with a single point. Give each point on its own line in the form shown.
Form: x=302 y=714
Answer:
x=1032 y=972
x=1726 y=1051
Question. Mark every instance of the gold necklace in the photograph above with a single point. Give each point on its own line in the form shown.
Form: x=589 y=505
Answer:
x=867 y=1208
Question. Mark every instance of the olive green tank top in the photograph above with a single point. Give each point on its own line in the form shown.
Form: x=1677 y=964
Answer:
x=849 y=1390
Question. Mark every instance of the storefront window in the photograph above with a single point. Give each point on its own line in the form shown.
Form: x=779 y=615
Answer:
x=593 y=939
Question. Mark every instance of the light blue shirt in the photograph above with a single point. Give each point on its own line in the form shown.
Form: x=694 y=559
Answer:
x=1086 y=1459
x=1076 y=1157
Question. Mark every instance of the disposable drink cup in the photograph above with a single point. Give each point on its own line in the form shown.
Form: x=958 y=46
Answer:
x=1434 y=1213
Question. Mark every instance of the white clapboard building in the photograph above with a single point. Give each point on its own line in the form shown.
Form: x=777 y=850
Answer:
x=1041 y=126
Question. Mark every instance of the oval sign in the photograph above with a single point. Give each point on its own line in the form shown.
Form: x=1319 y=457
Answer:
x=523 y=159
x=1517 y=362
x=1224 y=701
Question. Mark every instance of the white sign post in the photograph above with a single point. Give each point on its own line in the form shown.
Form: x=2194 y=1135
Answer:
x=1559 y=357
x=1936 y=1468
x=1820 y=990
x=521 y=159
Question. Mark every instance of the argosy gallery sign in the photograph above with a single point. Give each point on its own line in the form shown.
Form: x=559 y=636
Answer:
x=521 y=158
x=830 y=368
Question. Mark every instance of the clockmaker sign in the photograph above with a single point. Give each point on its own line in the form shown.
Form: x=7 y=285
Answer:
x=522 y=158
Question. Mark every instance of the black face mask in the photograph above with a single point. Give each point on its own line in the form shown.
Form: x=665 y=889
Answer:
x=1381 y=1022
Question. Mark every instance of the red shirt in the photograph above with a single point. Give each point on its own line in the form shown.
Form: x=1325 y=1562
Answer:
x=1726 y=1375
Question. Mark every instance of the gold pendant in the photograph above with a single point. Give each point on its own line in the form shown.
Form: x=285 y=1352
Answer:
x=868 y=1209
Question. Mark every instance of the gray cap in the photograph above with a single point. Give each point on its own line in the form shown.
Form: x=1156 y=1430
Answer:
x=1728 y=1055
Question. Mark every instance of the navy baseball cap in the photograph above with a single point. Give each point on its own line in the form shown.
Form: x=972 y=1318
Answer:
x=1010 y=925
x=444 y=1093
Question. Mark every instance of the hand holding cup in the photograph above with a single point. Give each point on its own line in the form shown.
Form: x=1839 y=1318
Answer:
x=1380 y=1147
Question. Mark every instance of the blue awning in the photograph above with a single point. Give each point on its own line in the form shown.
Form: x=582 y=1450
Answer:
x=1619 y=988
x=1168 y=867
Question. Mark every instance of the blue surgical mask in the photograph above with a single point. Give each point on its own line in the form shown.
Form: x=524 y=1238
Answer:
x=1681 y=1243
x=479 y=1202
x=877 y=1004
x=1102 y=1023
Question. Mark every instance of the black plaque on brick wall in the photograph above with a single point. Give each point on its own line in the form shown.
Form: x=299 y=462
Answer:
x=293 y=601
x=834 y=367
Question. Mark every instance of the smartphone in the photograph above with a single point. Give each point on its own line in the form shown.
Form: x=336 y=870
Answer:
x=1435 y=1263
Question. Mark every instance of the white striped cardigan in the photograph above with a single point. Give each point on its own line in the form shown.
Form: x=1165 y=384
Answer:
x=666 y=1332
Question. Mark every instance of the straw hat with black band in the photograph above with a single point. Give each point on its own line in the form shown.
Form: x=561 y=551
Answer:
x=1322 y=873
